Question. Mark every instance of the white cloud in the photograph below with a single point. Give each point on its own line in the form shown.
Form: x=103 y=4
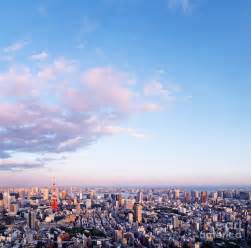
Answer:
x=59 y=66
x=15 y=46
x=184 y=5
x=12 y=165
x=39 y=56
x=115 y=130
x=155 y=88
x=69 y=144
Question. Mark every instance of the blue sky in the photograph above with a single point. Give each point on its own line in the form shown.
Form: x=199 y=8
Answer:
x=125 y=92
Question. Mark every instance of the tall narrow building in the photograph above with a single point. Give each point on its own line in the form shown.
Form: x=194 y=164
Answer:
x=32 y=219
x=140 y=197
x=138 y=212
x=203 y=197
x=54 y=197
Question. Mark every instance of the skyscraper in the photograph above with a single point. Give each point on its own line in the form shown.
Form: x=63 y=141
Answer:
x=130 y=218
x=45 y=192
x=140 y=197
x=138 y=212
x=1 y=200
x=177 y=194
x=204 y=197
x=195 y=195
x=187 y=197
x=32 y=219
x=6 y=199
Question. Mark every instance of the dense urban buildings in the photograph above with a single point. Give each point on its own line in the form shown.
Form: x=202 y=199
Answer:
x=124 y=217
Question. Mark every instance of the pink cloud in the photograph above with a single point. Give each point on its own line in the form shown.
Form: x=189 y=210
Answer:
x=16 y=81
x=59 y=67
x=109 y=86
x=151 y=107
x=58 y=107
x=15 y=46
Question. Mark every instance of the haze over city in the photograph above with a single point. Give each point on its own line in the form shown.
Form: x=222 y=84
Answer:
x=125 y=92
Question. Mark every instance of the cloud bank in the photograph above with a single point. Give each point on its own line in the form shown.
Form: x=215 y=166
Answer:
x=58 y=107
x=19 y=166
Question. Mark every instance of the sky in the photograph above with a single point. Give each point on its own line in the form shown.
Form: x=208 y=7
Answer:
x=125 y=92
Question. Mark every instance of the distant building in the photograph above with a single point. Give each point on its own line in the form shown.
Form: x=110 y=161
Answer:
x=88 y=203
x=1 y=200
x=118 y=235
x=187 y=197
x=244 y=195
x=13 y=208
x=203 y=197
x=54 y=196
x=177 y=194
x=63 y=195
x=130 y=218
x=140 y=197
x=6 y=200
x=138 y=212
x=45 y=192
x=176 y=222
x=195 y=195
x=129 y=204
x=32 y=219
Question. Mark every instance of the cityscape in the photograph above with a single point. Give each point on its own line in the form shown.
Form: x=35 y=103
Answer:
x=125 y=123
x=124 y=217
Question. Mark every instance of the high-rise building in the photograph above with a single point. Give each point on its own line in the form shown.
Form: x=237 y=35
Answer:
x=80 y=196
x=120 y=200
x=197 y=245
x=244 y=195
x=88 y=203
x=118 y=235
x=63 y=195
x=45 y=192
x=220 y=194
x=130 y=218
x=6 y=200
x=78 y=208
x=92 y=194
x=177 y=194
x=34 y=190
x=214 y=196
x=138 y=212
x=140 y=197
x=203 y=196
x=187 y=197
x=1 y=200
x=32 y=219
x=176 y=222
x=195 y=195
x=13 y=208
x=129 y=203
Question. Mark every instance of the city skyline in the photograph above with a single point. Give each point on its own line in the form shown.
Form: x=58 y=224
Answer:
x=125 y=93
x=124 y=217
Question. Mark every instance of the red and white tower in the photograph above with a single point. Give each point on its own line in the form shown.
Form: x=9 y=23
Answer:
x=54 y=197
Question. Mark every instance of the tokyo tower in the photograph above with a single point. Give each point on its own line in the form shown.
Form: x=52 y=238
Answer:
x=54 y=198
